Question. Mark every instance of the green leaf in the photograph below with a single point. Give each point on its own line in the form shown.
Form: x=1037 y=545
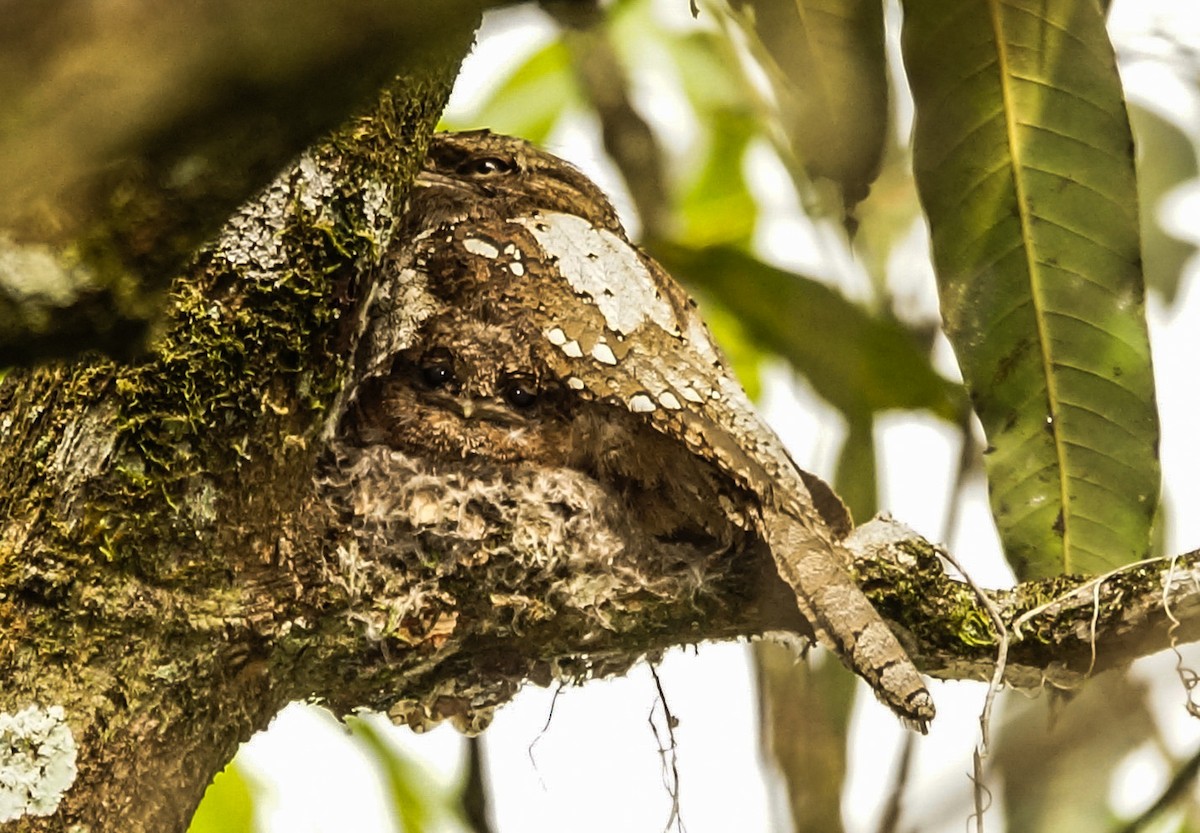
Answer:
x=717 y=206
x=228 y=804
x=418 y=802
x=1024 y=163
x=1165 y=158
x=831 y=77
x=532 y=99
x=858 y=362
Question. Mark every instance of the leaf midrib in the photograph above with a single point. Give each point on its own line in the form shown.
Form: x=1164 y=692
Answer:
x=1024 y=218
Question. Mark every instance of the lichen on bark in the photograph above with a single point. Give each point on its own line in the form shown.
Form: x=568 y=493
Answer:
x=144 y=509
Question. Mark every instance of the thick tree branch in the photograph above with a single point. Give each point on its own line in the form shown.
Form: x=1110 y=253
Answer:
x=1060 y=630
x=146 y=563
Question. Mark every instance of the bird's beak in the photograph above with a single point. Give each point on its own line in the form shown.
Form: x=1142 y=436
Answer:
x=430 y=179
x=468 y=408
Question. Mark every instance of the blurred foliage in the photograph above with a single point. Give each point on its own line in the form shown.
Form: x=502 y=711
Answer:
x=228 y=805
x=805 y=712
x=1166 y=157
x=538 y=93
x=421 y=805
x=828 y=68
x=1049 y=748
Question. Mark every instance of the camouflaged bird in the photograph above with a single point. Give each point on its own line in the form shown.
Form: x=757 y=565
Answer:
x=556 y=341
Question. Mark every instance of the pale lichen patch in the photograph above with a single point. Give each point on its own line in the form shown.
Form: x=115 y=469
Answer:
x=377 y=211
x=37 y=761
x=316 y=184
x=33 y=272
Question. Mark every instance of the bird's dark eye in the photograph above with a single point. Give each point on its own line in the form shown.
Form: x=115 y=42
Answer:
x=486 y=166
x=437 y=374
x=521 y=392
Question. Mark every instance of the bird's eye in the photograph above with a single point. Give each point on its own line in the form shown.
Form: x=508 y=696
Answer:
x=437 y=375
x=521 y=392
x=486 y=166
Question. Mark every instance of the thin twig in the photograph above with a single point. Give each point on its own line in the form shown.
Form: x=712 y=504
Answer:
x=982 y=795
x=890 y=820
x=1187 y=676
x=669 y=753
x=1092 y=629
x=542 y=733
x=1001 y=650
x=985 y=716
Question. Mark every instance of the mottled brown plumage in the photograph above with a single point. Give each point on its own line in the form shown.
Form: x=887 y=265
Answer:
x=546 y=337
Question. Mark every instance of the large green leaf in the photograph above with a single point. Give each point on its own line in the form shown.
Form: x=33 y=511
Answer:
x=1024 y=163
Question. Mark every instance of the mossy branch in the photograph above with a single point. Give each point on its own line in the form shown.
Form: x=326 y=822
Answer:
x=151 y=580
x=1060 y=630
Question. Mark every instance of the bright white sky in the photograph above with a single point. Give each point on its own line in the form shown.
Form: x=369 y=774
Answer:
x=597 y=768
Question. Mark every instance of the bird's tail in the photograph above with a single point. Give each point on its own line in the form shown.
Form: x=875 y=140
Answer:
x=843 y=619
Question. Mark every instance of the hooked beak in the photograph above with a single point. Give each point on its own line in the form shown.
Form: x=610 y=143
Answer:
x=432 y=179
x=488 y=410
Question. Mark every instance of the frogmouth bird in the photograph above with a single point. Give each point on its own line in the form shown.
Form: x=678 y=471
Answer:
x=558 y=342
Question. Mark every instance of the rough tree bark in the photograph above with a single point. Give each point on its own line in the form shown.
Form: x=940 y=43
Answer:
x=185 y=547
x=145 y=510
